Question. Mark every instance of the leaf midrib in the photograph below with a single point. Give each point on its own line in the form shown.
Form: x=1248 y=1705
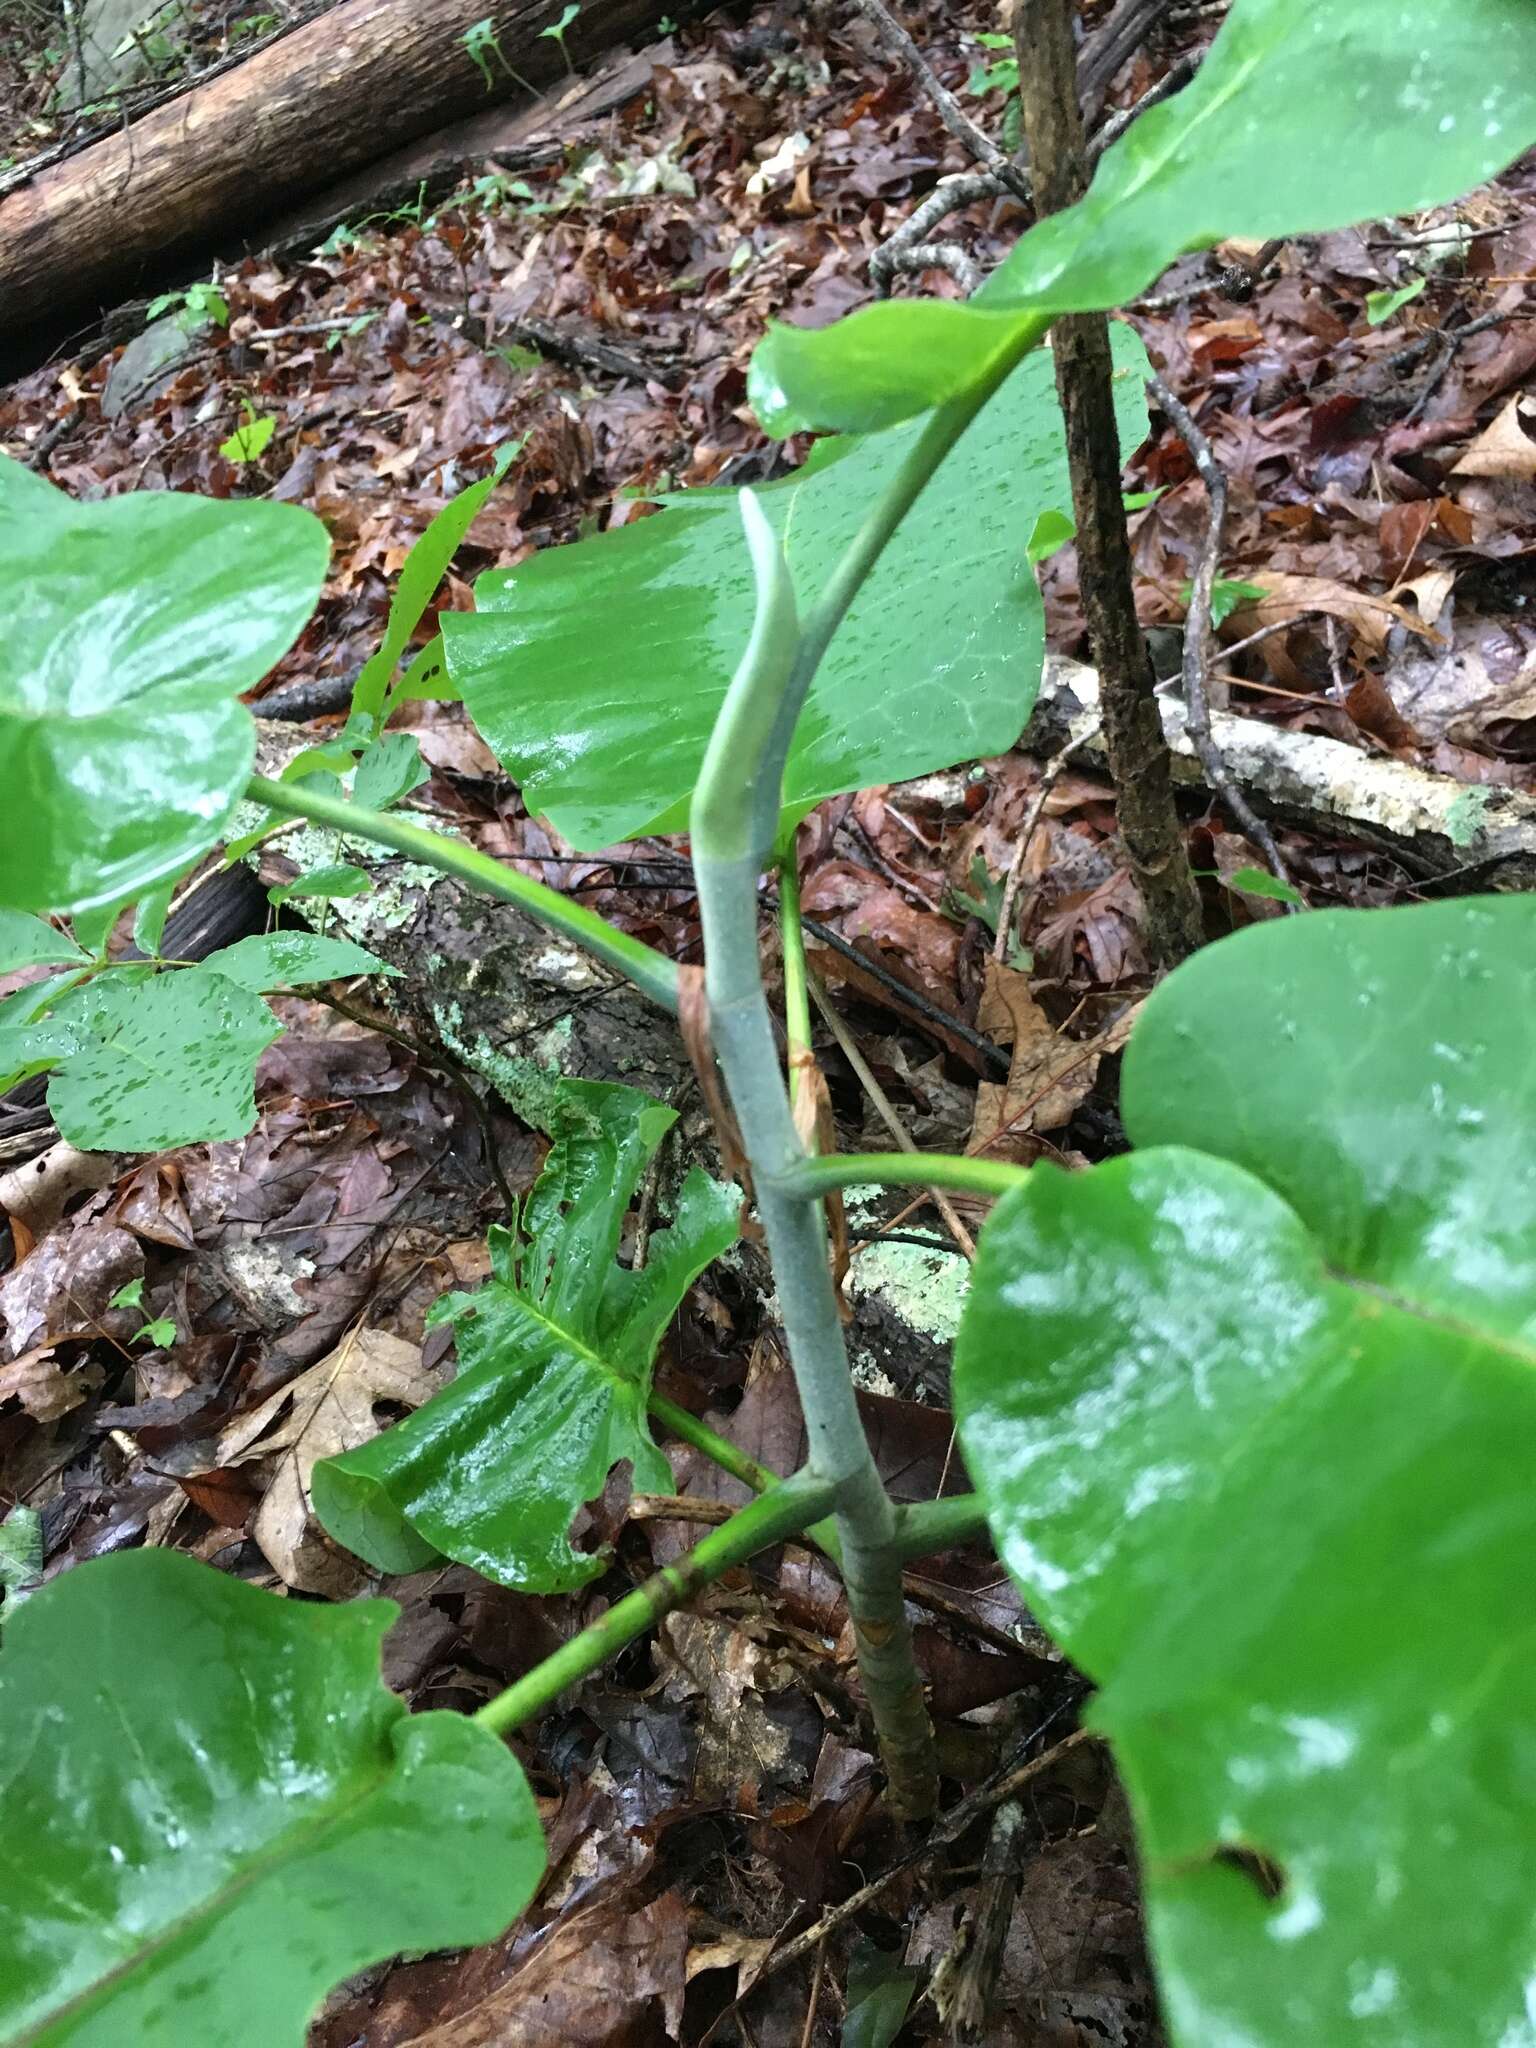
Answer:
x=283 y=1849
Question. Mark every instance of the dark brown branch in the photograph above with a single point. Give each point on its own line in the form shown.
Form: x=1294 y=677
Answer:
x=1139 y=760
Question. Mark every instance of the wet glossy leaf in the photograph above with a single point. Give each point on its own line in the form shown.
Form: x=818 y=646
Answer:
x=29 y=942
x=554 y=1371
x=211 y=1811
x=1432 y=100
x=344 y=880
x=594 y=671
x=1259 y=1457
x=289 y=959
x=425 y=567
x=132 y=625
x=390 y=769
x=143 y=1065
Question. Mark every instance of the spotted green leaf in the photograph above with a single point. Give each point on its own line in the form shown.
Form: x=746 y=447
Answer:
x=554 y=1370
x=28 y=942
x=1424 y=102
x=595 y=670
x=143 y=1064
x=290 y=959
x=132 y=623
x=211 y=1811
x=1255 y=1422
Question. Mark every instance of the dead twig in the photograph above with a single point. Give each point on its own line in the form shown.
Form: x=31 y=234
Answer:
x=950 y=112
x=885 y=1109
x=1198 y=632
x=947 y=197
x=949 y=1829
x=1173 y=80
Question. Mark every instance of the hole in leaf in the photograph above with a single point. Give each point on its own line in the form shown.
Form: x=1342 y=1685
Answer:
x=1261 y=1871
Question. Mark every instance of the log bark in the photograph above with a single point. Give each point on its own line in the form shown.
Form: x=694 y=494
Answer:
x=364 y=79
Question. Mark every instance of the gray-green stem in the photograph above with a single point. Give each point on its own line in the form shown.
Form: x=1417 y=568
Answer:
x=968 y=1172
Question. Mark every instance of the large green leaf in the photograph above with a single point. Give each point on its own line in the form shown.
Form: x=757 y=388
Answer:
x=143 y=1064
x=1417 y=104
x=28 y=942
x=132 y=624
x=1266 y=1474
x=275 y=960
x=595 y=670
x=554 y=1372
x=211 y=1811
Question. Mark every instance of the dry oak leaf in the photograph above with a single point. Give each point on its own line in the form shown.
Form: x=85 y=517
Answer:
x=1287 y=596
x=1505 y=448
x=328 y=1409
x=43 y=1387
x=1049 y=1076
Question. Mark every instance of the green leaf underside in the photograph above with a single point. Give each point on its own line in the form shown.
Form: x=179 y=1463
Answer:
x=554 y=1374
x=289 y=959
x=1428 y=101
x=1261 y=1461
x=128 y=692
x=26 y=941
x=211 y=1811
x=143 y=1064
x=595 y=670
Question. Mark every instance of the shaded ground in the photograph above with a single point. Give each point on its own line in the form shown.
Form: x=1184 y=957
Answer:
x=714 y=1792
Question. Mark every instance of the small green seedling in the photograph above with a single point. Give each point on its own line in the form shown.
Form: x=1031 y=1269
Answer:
x=1380 y=306
x=481 y=44
x=557 y=30
x=196 y=305
x=1228 y=597
x=248 y=443
x=1000 y=76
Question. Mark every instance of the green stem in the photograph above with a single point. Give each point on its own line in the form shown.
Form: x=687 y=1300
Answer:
x=797 y=995
x=716 y=1448
x=943 y=429
x=968 y=1172
x=783 y=1513
x=651 y=972
x=930 y=1525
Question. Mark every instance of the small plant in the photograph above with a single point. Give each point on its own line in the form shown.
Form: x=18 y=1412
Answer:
x=195 y=306
x=557 y=30
x=481 y=44
x=248 y=443
x=1248 y=1408
x=254 y=25
x=1001 y=75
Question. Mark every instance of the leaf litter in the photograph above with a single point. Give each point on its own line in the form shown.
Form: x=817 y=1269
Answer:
x=714 y=1789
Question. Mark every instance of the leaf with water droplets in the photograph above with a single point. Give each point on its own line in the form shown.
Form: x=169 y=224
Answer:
x=938 y=662
x=1304 y=115
x=143 y=1065
x=133 y=624
x=290 y=959
x=1255 y=1434
x=212 y=1811
x=555 y=1356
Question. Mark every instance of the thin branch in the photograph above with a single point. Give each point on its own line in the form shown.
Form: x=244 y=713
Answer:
x=950 y=112
x=1173 y=80
x=949 y=257
x=1198 y=632
x=885 y=1110
x=947 y=197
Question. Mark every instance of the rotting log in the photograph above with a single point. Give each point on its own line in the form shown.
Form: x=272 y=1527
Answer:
x=359 y=81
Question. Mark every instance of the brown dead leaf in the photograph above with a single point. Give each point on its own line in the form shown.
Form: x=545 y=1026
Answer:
x=1467 y=691
x=744 y=1750
x=326 y=1410
x=592 y=1982
x=1048 y=1078
x=1289 y=596
x=43 y=1387
x=1506 y=448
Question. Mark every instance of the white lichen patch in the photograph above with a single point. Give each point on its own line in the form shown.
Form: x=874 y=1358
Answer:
x=526 y=1082
x=925 y=1289
x=266 y=1281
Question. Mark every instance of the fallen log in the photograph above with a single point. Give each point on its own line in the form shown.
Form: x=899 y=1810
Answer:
x=364 y=79
x=1480 y=835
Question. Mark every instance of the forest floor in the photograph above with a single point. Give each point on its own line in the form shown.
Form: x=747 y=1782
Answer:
x=713 y=1793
